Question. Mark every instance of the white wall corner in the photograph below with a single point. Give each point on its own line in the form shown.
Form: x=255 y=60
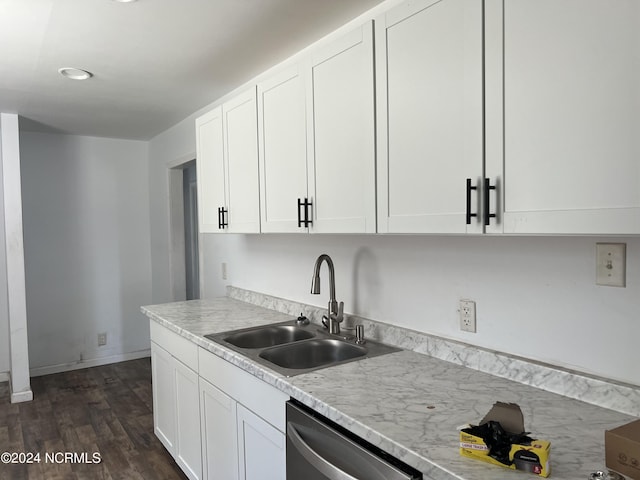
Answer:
x=14 y=251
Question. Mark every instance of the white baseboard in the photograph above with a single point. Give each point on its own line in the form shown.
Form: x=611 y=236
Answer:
x=95 y=362
x=17 y=397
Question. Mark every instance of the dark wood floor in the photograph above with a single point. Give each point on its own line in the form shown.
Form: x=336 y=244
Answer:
x=104 y=410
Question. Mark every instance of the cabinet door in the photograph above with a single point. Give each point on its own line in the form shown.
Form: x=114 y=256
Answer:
x=261 y=448
x=188 y=445
x=241 y=159
x=570 y=98
x=282 y=151
x=163 y=384
x=210 y=170
x=430 y=116
x=219 y=433
x=342 y=163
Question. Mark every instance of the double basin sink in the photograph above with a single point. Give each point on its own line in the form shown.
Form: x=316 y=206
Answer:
x=291 y=348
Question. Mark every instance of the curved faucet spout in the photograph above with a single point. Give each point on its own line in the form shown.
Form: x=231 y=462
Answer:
x=315 y=281
x=335 y=314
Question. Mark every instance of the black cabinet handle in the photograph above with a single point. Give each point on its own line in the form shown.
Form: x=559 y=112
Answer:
x=487 y=205
x=221 y=217
x=225 y=222
x=304 y=221
x=469 y=188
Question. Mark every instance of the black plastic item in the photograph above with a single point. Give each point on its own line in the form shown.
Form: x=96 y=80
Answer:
x=527 y=461
x=499 y=440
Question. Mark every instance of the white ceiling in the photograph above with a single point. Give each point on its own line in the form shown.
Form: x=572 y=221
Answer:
x=154 y=61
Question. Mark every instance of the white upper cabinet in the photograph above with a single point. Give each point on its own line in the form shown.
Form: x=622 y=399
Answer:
x=342 y=131
x=429 y=78
x=317 y=141
x=487 y=116
x=283 y=151
x=240 y=127
x=210 y=171
x=570 y=153
x=227 y=166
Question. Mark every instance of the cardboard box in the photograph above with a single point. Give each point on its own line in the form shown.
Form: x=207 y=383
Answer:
x=622 y=449
x=532 y=457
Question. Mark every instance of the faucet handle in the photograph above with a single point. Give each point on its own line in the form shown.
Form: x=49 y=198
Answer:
x=340 y=315
x=360 y=335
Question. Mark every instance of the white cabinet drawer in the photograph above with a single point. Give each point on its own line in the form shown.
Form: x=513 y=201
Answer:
x=261 y=398
x=184 y=350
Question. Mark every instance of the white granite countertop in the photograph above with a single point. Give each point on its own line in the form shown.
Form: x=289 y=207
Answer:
x=411 y=404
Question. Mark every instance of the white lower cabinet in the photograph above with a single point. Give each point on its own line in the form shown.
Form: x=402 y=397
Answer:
x=216 y=420
x=188 y=446
x=243 y=422
x=218 y=429
x=176 y=412
x=164 y=405
x=261 y=448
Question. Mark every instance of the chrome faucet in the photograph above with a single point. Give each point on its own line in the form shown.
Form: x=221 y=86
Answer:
x=334 y=310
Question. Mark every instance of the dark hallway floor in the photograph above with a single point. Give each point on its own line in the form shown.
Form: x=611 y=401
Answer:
x=102 y=413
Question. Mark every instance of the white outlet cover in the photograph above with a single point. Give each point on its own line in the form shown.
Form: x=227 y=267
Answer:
x=467 y=310
x=611 y=259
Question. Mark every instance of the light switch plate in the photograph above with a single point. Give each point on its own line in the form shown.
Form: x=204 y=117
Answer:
x=611 y=260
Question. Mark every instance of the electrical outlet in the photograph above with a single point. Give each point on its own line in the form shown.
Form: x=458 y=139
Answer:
x=224 y=270
x=611 y=264
x=468 y=316
x=102 y=339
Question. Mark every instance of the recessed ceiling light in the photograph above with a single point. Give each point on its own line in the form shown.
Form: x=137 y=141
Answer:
x=75 y=73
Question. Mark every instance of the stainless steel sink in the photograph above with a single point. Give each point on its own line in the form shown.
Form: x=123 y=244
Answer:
x=292 y=349
x=268 y=336
x=313 y=353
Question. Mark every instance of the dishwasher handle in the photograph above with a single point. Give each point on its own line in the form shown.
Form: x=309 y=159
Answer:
x=321 y=464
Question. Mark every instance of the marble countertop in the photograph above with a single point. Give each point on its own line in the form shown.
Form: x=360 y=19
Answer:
x=410 y=404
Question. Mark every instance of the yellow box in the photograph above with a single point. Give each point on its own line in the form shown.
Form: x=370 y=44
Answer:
x=533 y=457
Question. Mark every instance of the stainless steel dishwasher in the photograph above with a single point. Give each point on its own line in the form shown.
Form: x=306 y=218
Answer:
x=318 y=449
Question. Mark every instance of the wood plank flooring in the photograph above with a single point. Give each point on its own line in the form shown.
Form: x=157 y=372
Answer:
x=103 y=410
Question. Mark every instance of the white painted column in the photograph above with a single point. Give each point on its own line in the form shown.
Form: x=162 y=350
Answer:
x=14 y=250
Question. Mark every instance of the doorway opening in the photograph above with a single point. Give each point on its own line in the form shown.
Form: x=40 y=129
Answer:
x=183 y=218
x=190 y=199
